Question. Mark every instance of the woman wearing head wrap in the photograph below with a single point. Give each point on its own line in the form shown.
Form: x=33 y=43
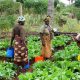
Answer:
x=46 y=37
x=20 y=50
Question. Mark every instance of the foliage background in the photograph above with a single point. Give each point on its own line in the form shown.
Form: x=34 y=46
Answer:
x=35 y=11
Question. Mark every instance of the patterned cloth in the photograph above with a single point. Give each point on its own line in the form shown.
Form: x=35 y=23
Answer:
x=20 y=52
x=46 y=40
x=46 y=50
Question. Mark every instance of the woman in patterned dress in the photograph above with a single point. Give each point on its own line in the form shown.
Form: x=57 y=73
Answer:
x=46 y=34
x=20 y=50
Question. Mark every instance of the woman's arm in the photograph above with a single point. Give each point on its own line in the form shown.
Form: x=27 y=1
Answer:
x=41 y=36
x=51 y=33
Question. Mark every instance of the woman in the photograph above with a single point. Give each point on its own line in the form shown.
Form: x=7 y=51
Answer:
x=77 y=39
x=20 y=50
x=46 y=37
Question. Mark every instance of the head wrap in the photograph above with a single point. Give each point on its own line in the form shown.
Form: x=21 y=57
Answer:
x=21 y=18
x=47 y=18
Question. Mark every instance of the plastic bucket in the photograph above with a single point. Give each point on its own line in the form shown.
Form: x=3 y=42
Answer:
x=10 y=52
x=27 y=65
x=39 y=58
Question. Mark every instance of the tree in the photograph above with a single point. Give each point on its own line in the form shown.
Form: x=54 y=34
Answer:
x=20 y=9
x=50 y=10
x=56 y=2
x=77 y=3
x=21 y=1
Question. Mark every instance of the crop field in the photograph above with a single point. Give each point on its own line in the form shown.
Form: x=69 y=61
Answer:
x=64 y=64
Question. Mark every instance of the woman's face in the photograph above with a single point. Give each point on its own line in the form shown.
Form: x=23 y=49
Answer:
x=47 y=22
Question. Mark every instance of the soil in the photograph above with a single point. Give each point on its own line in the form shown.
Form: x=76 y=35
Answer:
x=58 y=48
x=68 y=43
x=3 y=49
x=3 y=58
x=8 y=34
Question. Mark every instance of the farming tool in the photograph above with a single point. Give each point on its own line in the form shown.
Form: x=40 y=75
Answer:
x=65 y=33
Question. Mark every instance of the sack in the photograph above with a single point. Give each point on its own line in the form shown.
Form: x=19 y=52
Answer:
x=10 y=52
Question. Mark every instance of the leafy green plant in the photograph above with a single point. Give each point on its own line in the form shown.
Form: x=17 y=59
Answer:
x=7 y=70
x=48 y=70
x=60 y=40
x=2 y=53
x=4 y=43
x=70 y=52
x=34 y=46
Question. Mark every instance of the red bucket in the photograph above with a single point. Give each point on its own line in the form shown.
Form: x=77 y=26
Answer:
x=39 y=58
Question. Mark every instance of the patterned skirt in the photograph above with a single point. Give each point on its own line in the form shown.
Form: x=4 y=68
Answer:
x=20 y=52
x=46 y=50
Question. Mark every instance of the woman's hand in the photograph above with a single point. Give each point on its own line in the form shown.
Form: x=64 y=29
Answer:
x=43 y=44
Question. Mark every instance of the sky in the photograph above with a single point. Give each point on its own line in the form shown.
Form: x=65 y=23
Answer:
x=65 y=2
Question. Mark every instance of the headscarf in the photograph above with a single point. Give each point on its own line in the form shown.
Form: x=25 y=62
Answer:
x=47 y=18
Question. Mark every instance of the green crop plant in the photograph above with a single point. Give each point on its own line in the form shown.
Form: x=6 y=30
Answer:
x=34 y=46
x=2 y=53
x=70 y=52
x=61 y=40
x=47 y=70
x=7 y=70
x=4 y=43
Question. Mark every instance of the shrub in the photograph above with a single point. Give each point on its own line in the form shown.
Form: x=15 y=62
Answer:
x=77 y=3
x=77 y=13
x=39 y=6
x=9 y=7
x=6 y=22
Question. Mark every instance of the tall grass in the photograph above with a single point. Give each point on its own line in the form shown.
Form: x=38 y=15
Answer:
x=33 y=21
x=72 y=25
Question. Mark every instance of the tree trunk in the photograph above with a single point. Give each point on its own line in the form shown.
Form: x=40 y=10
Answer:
x=50 y=10
x=20 y=9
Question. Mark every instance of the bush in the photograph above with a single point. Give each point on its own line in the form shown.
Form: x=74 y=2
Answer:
x=22 y=1
x=6 y=22
x=39 y=6
x=9 y=7
x=71 y=25
x=77 y=3
x=77 y=13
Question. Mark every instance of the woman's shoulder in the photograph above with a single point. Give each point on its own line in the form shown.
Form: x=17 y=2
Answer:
x=15 y=26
